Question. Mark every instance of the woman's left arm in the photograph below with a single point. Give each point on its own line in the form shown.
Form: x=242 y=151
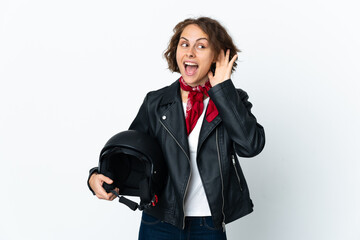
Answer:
x=235 y=109
x=235 y=112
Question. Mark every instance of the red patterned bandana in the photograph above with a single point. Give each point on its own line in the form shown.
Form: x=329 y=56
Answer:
x=195 y=104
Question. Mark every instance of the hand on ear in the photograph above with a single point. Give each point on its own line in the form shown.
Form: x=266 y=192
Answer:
x=223 y=68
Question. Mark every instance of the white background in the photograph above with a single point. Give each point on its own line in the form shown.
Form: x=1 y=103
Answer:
x=74 y=73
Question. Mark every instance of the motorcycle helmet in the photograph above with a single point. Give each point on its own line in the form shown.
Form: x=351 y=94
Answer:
x=135 y=163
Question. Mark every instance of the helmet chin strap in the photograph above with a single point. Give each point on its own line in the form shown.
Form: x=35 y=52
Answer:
x=131 y=204
x=145 y=197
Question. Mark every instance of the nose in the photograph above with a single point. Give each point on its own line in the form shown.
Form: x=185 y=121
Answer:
x=190 y=52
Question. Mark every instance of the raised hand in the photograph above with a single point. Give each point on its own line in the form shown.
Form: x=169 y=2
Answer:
x=223 y=68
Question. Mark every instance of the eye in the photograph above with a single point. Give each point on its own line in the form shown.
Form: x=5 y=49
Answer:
x=183 y=44
x=201 y=46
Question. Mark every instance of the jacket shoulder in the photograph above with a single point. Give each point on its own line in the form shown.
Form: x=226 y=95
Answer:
x=157 y=93
x=165 y=94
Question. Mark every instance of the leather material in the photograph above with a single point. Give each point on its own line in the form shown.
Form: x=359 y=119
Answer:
x=234 y=131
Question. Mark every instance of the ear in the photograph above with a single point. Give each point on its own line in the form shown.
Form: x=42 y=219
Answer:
x=214 y=59
x=213 y=68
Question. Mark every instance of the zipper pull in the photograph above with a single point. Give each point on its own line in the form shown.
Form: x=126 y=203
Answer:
x=233 y=159
x=223 y=227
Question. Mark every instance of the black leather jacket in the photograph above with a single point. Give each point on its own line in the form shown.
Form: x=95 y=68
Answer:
x=233 y=132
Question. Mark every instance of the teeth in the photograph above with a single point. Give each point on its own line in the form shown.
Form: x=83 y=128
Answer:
x=191 y=64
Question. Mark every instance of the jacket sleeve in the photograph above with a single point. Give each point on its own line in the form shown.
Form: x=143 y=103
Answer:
x=93 y=170
x=141 y=121
x=235 y=111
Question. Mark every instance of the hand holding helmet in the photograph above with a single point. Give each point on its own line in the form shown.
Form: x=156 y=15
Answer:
x=131 y=164
x=96 y=182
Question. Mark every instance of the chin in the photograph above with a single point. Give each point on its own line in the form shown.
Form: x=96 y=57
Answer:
x=194 y=80
x=191 y=82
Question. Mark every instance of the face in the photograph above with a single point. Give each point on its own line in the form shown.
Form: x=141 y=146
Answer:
x=194 y=55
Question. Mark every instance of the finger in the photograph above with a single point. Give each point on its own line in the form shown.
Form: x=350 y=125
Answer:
x=220 y=57
x=98 y=188
x=210 y=75
x=227 y=57
x=102 y=196
x=105 y=179
x=111 y=196
x=231 y=63
x=101 y=193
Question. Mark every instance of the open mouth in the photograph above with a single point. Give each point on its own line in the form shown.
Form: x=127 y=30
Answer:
x=190 y=68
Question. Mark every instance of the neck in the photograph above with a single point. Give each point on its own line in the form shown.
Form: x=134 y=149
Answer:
x=184 y=95
x=201 y=82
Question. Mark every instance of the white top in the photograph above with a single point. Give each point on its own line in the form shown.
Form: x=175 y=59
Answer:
x=196 y=203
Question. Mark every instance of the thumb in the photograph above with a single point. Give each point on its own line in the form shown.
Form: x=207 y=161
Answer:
x=106 y=179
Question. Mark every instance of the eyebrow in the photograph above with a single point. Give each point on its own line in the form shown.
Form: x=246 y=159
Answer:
x=196 y=39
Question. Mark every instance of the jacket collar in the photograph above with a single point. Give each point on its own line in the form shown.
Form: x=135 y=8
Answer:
x=173 y=118
x=172 y=94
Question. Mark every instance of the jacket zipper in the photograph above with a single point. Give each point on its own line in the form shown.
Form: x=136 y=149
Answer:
x=222 y=181
x=237 y=174
x=187 y=184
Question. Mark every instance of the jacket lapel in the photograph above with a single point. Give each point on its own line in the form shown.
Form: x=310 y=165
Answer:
x=172 y=116
x=206 y=129
x=173 y=119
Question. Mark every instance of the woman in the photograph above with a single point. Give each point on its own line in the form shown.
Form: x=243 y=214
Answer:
x=202 y=123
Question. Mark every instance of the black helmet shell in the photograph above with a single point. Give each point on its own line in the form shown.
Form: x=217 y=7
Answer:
x=135 y=163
